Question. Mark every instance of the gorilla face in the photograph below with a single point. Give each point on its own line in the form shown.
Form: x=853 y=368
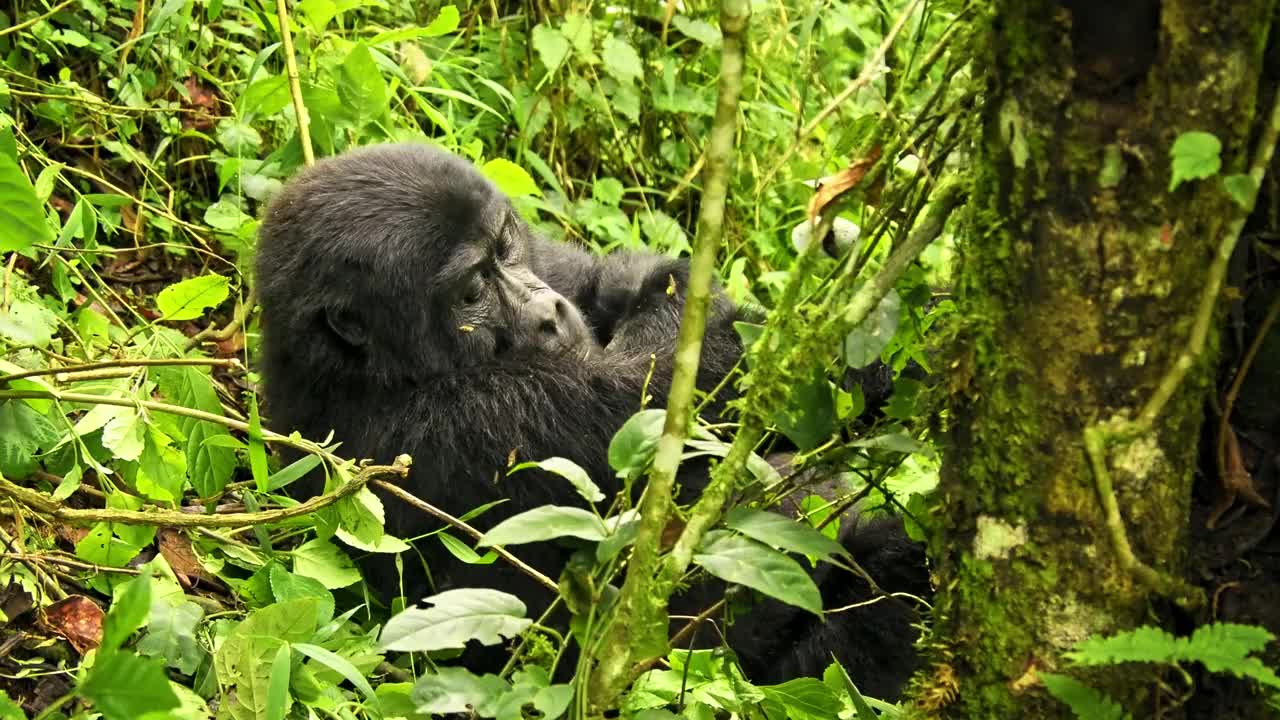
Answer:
x=392 y=273
x=501 y=306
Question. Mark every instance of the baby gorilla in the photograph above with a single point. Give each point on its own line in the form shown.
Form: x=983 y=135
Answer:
x=408 y=308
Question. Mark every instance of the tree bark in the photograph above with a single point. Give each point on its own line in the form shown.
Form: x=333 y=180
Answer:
x=1079 y=281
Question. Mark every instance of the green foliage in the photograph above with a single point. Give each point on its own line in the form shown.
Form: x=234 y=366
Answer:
x=1220 y=647
x=1195 y=155
x=138 y=145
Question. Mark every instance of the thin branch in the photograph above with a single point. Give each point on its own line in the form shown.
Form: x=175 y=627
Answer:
x=295 y=83
x=641 y=604
x=445 y=517
x=58 y=372
x=28 y=23
x=44 y=505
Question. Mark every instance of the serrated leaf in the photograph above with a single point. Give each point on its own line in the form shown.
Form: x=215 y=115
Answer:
x=1084 y=701
x=171 y=634
x=1195 y=155
x=546 y=522
x=783 y=532
x=633 y=446
x=1143 y=644
x=736 y=559
x=361 y=87
x=243 y=661
x=20 y=212
x=510 y=178
x=188 y=299
x=551 y=45
x=323 y=561
x=621 y=60
x=455 y=617
x=209 y=465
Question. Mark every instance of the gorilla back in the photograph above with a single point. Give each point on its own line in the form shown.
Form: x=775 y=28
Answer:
x=408 y=308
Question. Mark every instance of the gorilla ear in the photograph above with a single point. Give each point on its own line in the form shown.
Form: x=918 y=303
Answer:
x=346 y=326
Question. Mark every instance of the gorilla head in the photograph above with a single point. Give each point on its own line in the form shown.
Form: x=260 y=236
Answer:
x=407 y=272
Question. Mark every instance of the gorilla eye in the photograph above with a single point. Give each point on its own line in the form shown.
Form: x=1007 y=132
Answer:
x=474 y=290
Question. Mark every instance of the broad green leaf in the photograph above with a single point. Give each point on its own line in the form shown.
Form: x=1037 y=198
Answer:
x=736 y=559
x=171 y=634
x=835 y=675
x=362 y=516
x=209 y=466
x=286 y=586
x=23 y=432
x=456 y=616
x=621 y=60
x=322 y=560
x=26 y=321
x=456 y=690
x=10 y=710
x=805 y=699
x=810 y=415
x=20 y=212
x=1196 y=155
x=101 y=547
x=127 y=613
x=361 y=86
x=125 y=434
x=571 y=471
x=161 y=472
x=863 y=344
x=553 y=700
x=1084 y=701
x=607 y=190
x=1242 y=189
x=783 y=532
x=125 y=686
x=238 y=137
x=244 y=659
x=545 y=523
x=551 y=45
x=510 y=178
x=188 y=299
x=278 y=698
x=445 y=23
x=633 y=446
x=265 y=96
x=700 y=30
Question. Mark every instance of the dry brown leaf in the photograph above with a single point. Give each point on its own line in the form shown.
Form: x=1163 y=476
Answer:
x=76 y=618
x=832 y=187
x=177 y=551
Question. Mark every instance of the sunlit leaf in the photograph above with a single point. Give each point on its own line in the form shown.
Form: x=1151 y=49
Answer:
x=455 y=617
x=736 y=559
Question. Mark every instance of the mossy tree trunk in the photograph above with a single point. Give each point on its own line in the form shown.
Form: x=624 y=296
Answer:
x=1079 y=282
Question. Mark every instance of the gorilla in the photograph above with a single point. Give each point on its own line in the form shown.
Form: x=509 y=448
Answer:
x=406 y=307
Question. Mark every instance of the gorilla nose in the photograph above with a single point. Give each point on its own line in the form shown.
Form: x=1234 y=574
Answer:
x=549 y=315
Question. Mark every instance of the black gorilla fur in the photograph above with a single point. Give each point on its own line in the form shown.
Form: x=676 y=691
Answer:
x=395 y=283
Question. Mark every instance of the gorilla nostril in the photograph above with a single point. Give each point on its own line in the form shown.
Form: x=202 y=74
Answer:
x=548 y=327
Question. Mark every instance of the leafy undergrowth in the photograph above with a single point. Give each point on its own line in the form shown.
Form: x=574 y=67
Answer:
x=153 y=562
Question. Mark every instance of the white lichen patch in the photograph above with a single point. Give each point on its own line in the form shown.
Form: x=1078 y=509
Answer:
x=1140 y=458
x=996 y=538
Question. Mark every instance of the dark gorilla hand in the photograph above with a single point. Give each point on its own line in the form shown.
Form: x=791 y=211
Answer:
x=407 y=308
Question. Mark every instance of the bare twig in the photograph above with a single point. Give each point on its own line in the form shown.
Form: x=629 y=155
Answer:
x=59 y=372
x=295 y=83
x=44 y=505
x=44 y=16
